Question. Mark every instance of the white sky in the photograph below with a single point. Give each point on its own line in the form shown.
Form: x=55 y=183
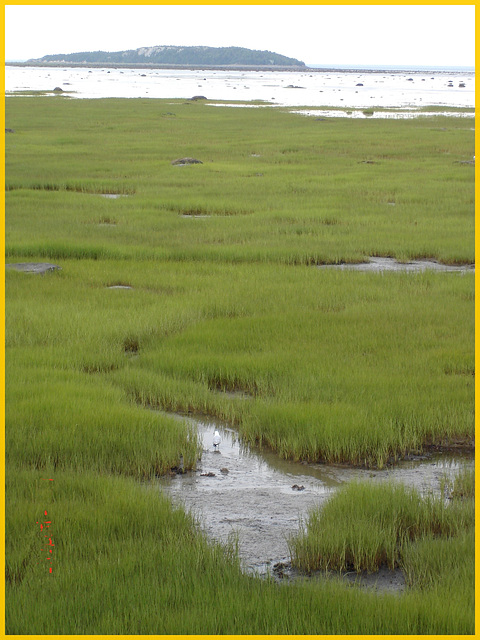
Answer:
x=317 y=34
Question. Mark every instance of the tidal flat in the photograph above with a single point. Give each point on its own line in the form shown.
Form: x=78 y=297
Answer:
x=199 y=293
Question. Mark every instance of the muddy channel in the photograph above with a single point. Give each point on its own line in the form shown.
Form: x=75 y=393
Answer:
x=261 y=500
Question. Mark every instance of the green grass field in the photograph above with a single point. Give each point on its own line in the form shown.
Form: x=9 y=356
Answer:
x=221 y=258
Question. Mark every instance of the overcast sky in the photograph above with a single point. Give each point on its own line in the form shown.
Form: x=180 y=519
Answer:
x=439 y=35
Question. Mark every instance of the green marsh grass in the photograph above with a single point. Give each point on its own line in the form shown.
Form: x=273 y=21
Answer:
x=127 y=562
x=340 y=367
x=321 y=177
x=367 y=525
x=333 y=366
x=464 y=485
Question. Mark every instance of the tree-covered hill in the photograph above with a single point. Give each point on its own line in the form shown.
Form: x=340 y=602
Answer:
x=210 y=56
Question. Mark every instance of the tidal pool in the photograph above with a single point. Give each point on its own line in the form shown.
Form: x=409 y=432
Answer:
x=261 y=499
x=390 y=264
x=32 y=267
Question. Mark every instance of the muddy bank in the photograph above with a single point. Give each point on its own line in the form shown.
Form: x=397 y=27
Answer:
x=261 y=499
x=383 y=580
x=390 y=264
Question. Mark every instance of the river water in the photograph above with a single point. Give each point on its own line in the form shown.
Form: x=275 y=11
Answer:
x=348 y=88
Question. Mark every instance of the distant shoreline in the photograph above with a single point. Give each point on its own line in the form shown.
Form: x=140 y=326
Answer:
x=233 y=67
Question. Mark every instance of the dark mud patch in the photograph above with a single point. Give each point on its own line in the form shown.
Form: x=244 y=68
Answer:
x=203 y=212
x=377 y=264
x=105 y=221
x=228 y=390
x=238 y=394
x=384 y=580
x=103 y=192
x=459 y=446
x=33 y=267
x=131 y=345
x=248 y=493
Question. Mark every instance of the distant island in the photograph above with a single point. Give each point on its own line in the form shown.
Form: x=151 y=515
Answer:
x=174 y=56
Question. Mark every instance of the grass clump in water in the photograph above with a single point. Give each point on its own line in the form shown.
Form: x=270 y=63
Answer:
x=365 y=525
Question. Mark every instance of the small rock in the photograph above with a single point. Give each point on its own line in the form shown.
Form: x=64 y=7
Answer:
x=184 y=161
x=177 y=470
x=224 y=470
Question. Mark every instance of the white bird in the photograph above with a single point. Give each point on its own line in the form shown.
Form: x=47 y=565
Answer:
x=216 y=440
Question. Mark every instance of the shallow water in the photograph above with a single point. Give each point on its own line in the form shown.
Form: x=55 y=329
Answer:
x=112 y=196
x=391 y=114
x=254 y=496
x=350 y=88
x=32 y=267
x=390 y=264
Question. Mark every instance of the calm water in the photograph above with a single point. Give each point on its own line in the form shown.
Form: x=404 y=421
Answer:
x=306 y=88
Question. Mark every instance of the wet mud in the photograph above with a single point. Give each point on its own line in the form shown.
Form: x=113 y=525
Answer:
x=261 y=500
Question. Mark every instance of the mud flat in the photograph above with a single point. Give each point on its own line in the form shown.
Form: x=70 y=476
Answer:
x=261 y=500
